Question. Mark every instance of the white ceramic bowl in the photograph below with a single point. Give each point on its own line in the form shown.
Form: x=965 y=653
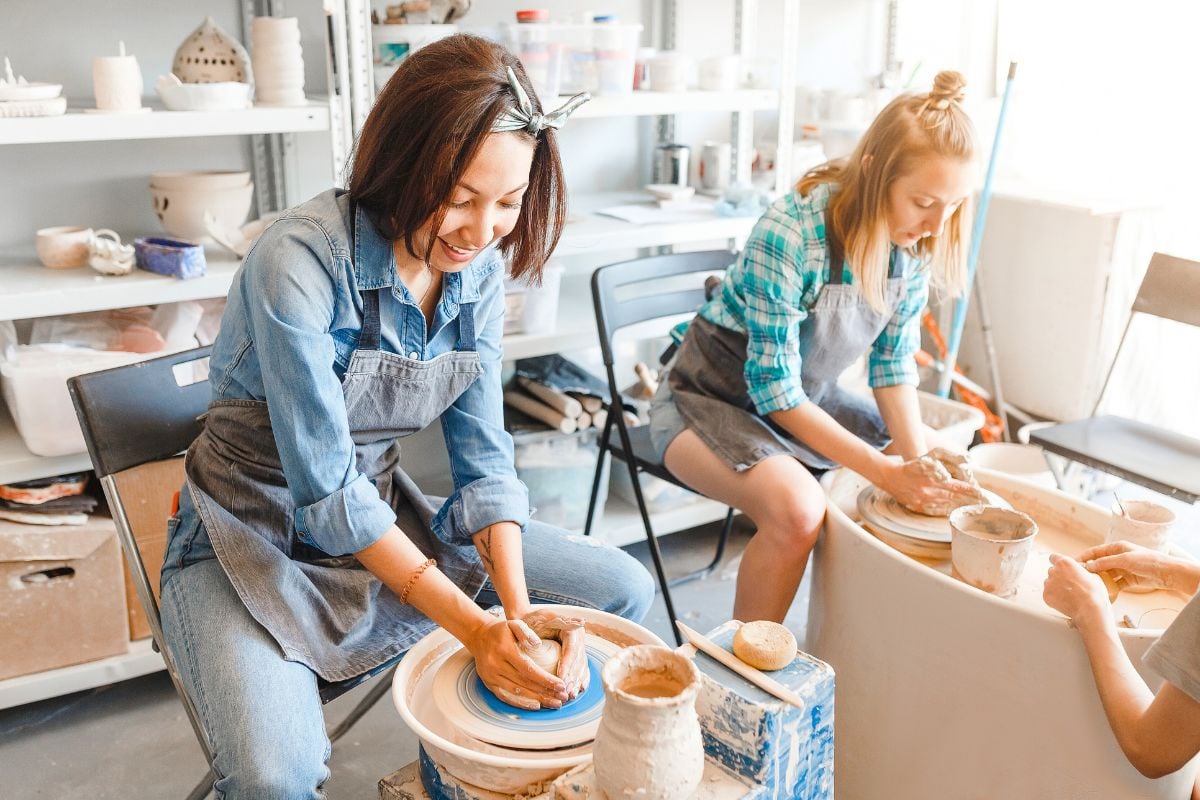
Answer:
x=670 y=72
x=181 y=210
x=222 y=96
x=199 y=180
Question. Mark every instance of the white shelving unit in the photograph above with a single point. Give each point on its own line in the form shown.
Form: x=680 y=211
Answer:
x=655 y=104
x=140 y=660
x=77 y=125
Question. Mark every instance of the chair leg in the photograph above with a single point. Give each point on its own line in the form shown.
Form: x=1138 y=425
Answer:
x=382 y=686
x=204 y=787
x=655 y=553
x=705 y=571
x=603 y=448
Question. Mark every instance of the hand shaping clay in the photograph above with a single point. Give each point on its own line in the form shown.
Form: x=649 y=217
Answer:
x=765 y=645
x=547 y=655
x=943 y=465
x=1111 y=583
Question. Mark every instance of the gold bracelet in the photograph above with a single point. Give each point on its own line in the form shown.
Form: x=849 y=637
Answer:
x=412 y=579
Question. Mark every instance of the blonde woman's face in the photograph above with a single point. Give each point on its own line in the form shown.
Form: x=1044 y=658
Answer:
x=920 y=203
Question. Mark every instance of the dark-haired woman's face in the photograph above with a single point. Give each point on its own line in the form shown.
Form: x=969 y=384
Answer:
x=485 y=204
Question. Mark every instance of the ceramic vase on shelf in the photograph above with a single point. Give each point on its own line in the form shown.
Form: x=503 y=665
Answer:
x=278 y=61
x=210 y=55
x=648 y=745
x=117 y=82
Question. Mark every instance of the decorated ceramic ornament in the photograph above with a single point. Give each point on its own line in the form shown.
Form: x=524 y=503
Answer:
x=210 y=55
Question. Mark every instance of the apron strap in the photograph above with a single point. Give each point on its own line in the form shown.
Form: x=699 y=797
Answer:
x=368 y=337
x=466 y=328
x=837 y=257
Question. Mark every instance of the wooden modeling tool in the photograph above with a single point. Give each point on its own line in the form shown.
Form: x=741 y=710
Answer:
x=728 y=659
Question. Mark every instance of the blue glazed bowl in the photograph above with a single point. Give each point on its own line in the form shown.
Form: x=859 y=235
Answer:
x=170 y=257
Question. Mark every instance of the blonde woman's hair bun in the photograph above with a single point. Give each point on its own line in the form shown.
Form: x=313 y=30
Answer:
x=947 y=90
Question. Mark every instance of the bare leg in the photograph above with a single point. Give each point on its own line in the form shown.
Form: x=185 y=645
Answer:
x=786 y=504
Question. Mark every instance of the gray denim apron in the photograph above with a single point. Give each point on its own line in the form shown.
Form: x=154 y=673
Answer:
x=327 y=612
x=706 y=379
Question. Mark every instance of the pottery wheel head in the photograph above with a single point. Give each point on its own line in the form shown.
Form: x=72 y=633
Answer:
x=468 y=705
x=880 y=510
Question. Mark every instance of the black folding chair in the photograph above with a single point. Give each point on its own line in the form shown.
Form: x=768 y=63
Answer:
x=639 y=302
x=1147 y=455
x=136 y=421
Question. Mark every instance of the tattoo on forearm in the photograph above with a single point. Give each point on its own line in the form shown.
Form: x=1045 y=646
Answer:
x=485 y=551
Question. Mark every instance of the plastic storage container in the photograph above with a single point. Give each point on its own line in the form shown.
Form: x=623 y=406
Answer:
x=533 y=309
x=34 y=384
x=394 y=43
x=659 y=495
x=955 y=421
x=558 y=470
x=559 y=58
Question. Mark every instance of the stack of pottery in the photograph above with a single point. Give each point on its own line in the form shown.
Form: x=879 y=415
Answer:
x=21 y=98
x=181 y=200
x=278 y=61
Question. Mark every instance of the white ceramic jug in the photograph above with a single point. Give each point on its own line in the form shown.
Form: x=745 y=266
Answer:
x=648 y=745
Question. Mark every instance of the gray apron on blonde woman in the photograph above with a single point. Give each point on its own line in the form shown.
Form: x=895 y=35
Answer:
x=329 y=612
x=706 y=384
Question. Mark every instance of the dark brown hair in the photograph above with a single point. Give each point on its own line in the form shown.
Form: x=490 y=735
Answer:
x=427 y=125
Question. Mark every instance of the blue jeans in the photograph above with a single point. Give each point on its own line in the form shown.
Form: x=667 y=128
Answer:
x=263 y=714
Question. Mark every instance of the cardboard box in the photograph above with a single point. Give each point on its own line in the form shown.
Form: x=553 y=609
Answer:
x=147 y=493
x=62 y=596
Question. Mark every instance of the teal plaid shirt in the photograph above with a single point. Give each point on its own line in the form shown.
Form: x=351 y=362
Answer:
x=767 y=294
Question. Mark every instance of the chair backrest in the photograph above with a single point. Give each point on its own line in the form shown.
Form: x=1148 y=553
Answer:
x=142 y=412
x=1170 y=289
x=613 y=313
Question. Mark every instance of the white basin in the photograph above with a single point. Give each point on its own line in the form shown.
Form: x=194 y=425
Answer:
x=945 y=691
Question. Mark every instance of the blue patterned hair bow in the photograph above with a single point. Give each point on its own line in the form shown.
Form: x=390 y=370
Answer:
x=524 y=118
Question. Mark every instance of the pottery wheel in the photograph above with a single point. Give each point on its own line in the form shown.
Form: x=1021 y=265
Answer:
x=472 y=708
x=907 y=530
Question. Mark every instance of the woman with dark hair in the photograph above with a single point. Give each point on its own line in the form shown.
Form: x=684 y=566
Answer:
x=303 y=558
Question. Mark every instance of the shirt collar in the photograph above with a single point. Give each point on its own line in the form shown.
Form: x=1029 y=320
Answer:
x=375 y=263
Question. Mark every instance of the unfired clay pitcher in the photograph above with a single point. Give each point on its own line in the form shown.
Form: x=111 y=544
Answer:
x=648 y=745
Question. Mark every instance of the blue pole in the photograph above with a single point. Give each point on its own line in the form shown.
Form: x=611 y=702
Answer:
x=960 y=307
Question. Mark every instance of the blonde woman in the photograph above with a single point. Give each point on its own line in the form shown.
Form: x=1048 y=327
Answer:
x=750 y=407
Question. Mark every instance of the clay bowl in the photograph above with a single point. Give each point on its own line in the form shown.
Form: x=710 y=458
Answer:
x=498 y=769
x=196 y=180
x=181 y=210
x=63 y=247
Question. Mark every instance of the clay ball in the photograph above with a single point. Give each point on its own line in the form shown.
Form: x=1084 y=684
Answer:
x=765 y=645
x=547 y=655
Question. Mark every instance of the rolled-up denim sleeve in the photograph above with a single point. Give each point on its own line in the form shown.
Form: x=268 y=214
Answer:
x=892 y=361
x=772 y=286
x=486 y=487
x=289 y=293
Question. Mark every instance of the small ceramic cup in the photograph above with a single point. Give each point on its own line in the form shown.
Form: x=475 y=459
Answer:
x=117 y=82
x=64 y=247
x=989 y=547
x=1141 y=522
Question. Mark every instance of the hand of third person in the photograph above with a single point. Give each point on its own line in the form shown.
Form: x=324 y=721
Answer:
x=1075 y=592
x=1138 y=567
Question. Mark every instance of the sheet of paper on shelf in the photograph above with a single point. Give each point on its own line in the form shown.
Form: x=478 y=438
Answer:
x=651 y=214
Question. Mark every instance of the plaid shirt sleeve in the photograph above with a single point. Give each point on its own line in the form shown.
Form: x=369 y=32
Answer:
x=772 y=287
x=891 y=362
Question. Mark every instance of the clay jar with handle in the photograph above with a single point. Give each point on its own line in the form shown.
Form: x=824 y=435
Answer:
x=648 y=745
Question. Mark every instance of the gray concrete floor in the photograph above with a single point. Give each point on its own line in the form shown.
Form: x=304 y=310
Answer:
x=132 y=740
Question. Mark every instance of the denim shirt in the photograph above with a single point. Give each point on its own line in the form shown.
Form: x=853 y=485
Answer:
x=290 y=327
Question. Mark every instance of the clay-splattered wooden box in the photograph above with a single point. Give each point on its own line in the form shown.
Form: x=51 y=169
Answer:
x=786 y=749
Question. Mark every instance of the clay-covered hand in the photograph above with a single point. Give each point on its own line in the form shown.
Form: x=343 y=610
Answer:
x=499 y=648
x=569 y=631
x=924 y=485
x=1137 y=567
x=1074 y=591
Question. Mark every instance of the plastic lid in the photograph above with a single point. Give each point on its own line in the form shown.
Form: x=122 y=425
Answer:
x=604 y=18
x=533 y=15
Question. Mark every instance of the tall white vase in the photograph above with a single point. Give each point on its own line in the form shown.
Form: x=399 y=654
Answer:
x=278 y=61
x=648 y=745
